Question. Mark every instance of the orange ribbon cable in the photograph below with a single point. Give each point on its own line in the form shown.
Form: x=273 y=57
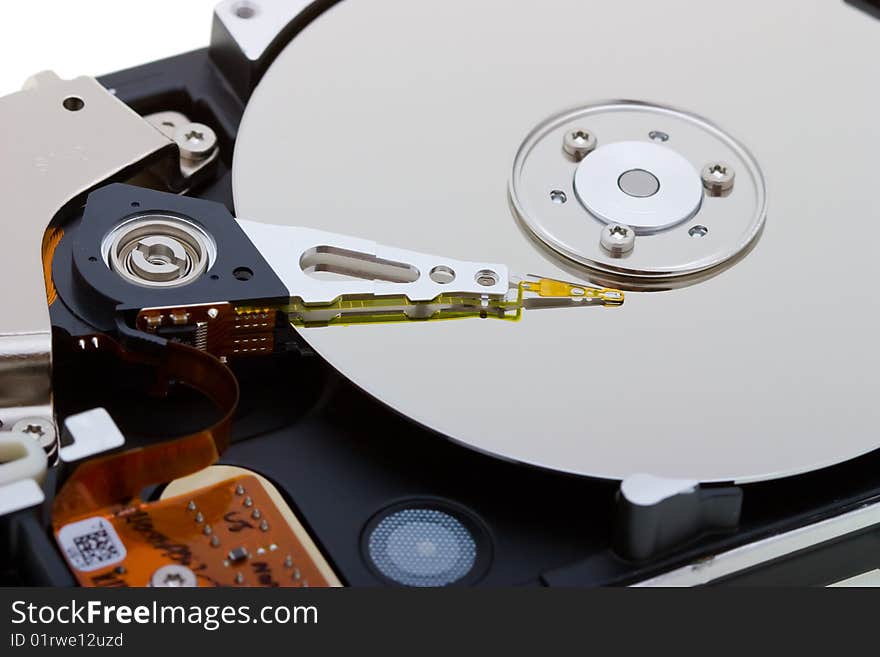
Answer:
x=51 y=239
x=114 y=481
x=235 y=531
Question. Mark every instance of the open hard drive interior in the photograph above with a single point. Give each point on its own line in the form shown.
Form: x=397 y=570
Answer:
x=450 y=292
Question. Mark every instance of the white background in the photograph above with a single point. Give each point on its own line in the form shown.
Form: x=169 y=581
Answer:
x=93 y=37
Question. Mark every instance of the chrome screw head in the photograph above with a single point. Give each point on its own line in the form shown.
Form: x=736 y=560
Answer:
x=173 y=575
x=41 y=429
x=617 y=239
x=579 y=143
x=718 y=178
x=196 y=141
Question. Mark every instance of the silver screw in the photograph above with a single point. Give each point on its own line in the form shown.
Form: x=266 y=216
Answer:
x=173 y=575
x=618 y=239
x=579 y=143
x=718 y=178
x=196 y=141
x=40 y=429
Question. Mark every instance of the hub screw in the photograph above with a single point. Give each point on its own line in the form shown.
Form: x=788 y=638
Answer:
x=718 y=178
x=579 y=143
x=618 y=239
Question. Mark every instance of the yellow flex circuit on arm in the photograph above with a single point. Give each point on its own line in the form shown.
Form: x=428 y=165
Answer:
x=383 y=309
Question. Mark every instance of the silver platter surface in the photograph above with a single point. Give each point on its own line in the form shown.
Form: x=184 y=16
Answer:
x=399 y=121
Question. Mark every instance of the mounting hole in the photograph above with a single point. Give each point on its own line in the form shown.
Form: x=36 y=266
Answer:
x=245 y=10
x=486 y=278
x=93 y=259
x=442 y=274
x=214 y=277
x=243 y=274
x=135 y=204
x=73 y=103
x=657 y=135
x=558 y=196
x=698 y=231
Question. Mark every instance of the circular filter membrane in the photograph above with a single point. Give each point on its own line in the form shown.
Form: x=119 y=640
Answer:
x=422 y=547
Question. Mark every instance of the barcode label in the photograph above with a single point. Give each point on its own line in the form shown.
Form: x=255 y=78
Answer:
x=91 y=544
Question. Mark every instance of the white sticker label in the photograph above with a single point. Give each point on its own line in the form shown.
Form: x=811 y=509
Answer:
x=91 y=544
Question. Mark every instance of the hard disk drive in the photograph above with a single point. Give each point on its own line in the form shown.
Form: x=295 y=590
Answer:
x=229 y=356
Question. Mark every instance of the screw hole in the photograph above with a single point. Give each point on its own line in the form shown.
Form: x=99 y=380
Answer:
x=657 y=135
x=558 y=197
x=135 y=204
x=93 y=259
x=442 y=274
x=245 y=10
x=215 y=277
x=486 y=278
x=73 y=103
x=698 y=231
x=243 y=274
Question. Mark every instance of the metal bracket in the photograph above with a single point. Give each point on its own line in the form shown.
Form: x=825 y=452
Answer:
x=242 y=34
x=299 y=255
x=197 y=142
x=334 y=278
x=766 y=550
x=60 y=139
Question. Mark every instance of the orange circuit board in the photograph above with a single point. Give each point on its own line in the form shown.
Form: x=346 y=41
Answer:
x=231 y=533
